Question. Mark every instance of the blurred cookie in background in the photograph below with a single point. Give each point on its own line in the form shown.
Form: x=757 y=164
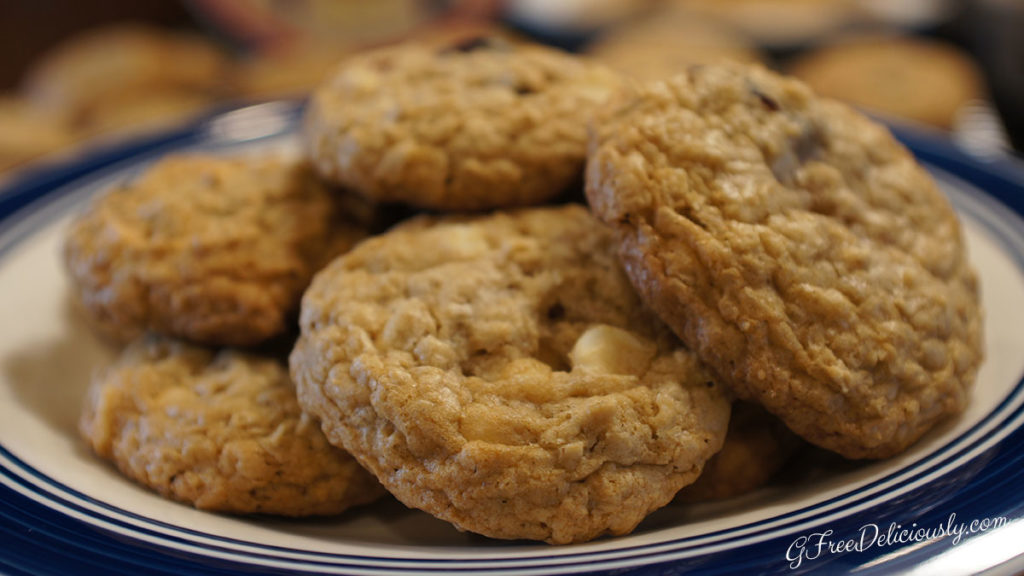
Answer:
x=138 y=112
x=28 y=132
x=780 y=24
x=911 y=78
x=261 y=24
x=664 y=43
x=123 y=78
x=127 y=77
x=287 y=71
x=90 y=68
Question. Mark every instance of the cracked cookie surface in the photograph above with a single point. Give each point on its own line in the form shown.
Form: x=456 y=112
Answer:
x=483 y=124
x=222 y=431
x=501 y=374
x=797 y=248
x=212 y=249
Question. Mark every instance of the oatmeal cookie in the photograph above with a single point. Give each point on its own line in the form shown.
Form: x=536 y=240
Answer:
x=501 y=374
x=779 y=24
x=28 y=132
x=137 y=113
x=213 y=249
x=96 y=66
x=756 y=447
x=666 y=42
x=222 y=431
x=482 y=124
x=289 y=71
x=797 y=248
x=922 y=80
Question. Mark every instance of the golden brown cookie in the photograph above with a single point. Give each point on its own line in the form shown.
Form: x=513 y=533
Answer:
x=103 y=64
x=780 y=23
x=481 y=124
x=28 y=132
x=756 y=447
x=134 y=113
x=501 y=374
x=922 y=80
x=213 y=249
x=222 y=431
x=666 y=42
x=289 y=71
x=797 y=248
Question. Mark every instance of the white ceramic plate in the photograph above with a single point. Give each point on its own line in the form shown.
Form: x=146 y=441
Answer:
x=951 y=504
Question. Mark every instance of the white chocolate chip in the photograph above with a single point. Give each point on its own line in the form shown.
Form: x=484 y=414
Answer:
x=465 y=242
x=608 y=350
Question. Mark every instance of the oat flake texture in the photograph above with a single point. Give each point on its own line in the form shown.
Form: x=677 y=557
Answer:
x=483 y=125
x=213 y=249
x=222 y=431
x=501 y=374
x=797 y=248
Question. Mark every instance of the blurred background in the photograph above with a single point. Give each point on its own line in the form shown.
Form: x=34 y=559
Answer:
x=76 y=71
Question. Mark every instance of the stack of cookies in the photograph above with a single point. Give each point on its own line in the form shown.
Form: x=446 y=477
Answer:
x=197 y=254
x=509 y=360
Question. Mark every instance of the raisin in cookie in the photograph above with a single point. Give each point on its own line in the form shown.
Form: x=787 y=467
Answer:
x=756 y=447
x=215 y=250
x=797 y=248
x=222 y=431
x=501 y=374
x=483 y=124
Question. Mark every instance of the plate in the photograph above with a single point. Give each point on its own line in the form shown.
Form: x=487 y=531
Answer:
x=952 y=503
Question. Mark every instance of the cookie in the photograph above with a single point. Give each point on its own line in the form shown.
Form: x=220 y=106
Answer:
x=781 y=24
x=501 y=374
x=294 y=70
x=134 y=113
x=28 y=132
x=219 y=430
x=797 y=248
x=756 y=447
x=102 y=64
x=481 y=124
x=915 y=79
x=212 y=249
x=666 y=42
